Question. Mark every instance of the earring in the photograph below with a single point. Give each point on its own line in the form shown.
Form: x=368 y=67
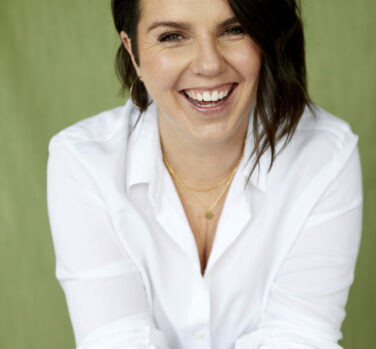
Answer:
x=131 y=94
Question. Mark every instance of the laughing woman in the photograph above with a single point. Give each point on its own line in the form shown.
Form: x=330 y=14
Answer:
x=219 y=207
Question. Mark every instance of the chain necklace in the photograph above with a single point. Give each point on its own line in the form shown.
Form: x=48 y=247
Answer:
x=208 y=210
x=201 y=190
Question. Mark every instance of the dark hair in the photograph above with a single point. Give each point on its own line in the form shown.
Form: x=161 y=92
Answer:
x=276 y=27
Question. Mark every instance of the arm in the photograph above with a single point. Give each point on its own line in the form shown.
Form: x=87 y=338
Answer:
x=306 y=304
x=104 y=291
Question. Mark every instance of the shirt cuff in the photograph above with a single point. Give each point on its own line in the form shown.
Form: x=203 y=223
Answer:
x=284 y=338
x=132 y=332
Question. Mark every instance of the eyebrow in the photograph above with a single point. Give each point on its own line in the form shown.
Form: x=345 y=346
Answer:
x=185 y=25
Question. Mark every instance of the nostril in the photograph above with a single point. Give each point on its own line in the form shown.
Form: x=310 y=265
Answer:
x=209 y=67
x=208 y=60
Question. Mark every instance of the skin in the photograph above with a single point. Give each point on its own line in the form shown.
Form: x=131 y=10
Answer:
x=201 y=148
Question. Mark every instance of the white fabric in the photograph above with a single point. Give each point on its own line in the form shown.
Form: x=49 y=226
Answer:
x=281 y=264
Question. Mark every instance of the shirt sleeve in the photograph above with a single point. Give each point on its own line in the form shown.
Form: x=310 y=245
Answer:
x=104 y=290
x=306 y=304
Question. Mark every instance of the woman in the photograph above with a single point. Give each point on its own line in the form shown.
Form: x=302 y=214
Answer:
x=218 y=208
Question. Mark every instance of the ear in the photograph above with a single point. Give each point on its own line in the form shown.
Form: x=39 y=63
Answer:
x=127 y=44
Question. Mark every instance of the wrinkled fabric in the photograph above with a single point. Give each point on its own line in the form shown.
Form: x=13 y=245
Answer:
x=283 y=257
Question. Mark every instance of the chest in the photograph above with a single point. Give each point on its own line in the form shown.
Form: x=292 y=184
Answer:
x=204 y=234
x=203 y=229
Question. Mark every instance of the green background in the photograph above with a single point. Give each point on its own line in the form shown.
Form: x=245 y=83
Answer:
x=56 y=67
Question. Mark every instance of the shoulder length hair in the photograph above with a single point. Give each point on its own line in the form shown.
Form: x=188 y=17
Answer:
x=276 y=27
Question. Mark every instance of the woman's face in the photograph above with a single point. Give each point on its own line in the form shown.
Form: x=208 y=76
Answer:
x=198 y=66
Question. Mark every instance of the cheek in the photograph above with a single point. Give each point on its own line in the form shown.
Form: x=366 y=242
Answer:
x=162 y=70
x=250 y=67
x=247 y=61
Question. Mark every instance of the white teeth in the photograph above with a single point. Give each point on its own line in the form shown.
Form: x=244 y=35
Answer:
x=214 y=96
x=208 y=96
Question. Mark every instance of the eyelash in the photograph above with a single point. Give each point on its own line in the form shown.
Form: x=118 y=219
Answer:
x=170 y=37
x=173 y=36
x=235 y=30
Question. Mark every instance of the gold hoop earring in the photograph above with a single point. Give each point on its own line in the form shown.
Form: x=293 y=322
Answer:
x=131 y=94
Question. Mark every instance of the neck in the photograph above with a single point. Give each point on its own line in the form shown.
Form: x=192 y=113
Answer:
x=202 y=163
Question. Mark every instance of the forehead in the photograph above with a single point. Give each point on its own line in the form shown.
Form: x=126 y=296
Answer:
x=185 y=10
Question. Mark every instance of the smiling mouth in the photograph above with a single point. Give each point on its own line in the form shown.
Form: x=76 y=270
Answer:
x=209 y=99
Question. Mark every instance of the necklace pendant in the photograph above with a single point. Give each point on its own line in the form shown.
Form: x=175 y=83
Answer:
x=209 y=215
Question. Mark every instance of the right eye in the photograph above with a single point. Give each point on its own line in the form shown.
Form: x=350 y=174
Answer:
x=170 y=37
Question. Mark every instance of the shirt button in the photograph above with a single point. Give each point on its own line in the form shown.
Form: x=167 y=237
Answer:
x=200 y=335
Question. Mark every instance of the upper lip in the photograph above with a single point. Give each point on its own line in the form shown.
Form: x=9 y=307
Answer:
x=210 y=88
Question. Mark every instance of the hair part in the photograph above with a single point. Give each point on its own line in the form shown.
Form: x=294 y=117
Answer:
x=282 y=95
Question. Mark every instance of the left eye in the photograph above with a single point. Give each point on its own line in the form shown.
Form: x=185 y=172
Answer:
x=171 y=37
x=234 y=31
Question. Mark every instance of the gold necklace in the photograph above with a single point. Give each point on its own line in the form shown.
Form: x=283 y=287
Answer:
x=200 y=190
x=208 y=210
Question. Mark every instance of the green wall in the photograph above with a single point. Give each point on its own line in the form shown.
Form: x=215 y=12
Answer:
x=56 y=67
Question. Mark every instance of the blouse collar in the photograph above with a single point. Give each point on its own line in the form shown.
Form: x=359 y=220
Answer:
x=144 y=162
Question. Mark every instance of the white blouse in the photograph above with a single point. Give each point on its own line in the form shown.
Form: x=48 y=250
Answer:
x=281 y=264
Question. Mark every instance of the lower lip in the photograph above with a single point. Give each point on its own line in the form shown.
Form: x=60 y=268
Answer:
x=215 y=109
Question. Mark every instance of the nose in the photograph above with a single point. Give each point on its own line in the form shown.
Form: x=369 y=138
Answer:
x=208 y=59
